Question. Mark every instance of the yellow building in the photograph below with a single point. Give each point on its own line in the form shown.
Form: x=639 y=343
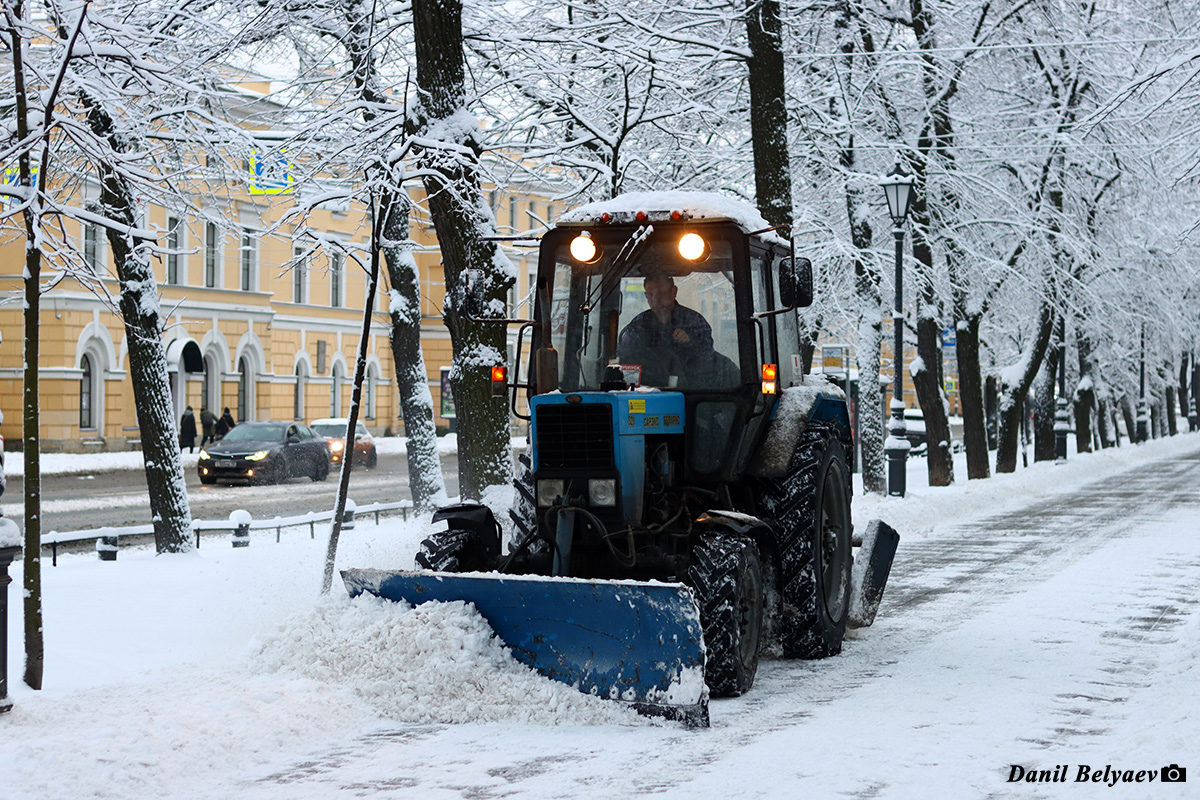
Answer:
x=256 y=317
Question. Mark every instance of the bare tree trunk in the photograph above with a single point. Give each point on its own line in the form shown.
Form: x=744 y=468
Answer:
x=426 y=484
x=35 y=650
x=927 y=382
x=172 y=517
x=1043 y=407
x=416 y=403
x=1012 y=395
x=870 y=409
x=970 y=393
x=1130 y=422
x=768 y=112
x=1169 y=398
x=1185 y=409
x=464 y=228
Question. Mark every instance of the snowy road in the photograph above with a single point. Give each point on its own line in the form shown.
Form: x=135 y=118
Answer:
x=1062 y=633
x=1044 y=623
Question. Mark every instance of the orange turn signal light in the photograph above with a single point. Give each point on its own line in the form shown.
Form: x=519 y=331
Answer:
x=499 y=380
x=769 y=379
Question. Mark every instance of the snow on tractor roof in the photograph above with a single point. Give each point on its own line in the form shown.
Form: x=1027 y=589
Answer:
x=658 y=206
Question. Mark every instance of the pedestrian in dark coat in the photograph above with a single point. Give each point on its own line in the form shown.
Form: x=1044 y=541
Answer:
x=207 y=421
x=187 y=431
x=225 y=424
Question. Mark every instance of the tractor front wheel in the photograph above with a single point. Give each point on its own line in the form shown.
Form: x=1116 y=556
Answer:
x=727 y=577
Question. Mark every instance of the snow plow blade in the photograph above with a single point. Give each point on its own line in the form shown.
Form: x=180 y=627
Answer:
x=640 y=643
x=869 y=576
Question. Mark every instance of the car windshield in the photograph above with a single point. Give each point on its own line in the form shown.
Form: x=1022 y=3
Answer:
x=658 y=318
x=337 y=430
x=256 y=432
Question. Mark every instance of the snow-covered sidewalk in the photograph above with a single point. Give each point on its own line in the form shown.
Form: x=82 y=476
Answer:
x=200 y=676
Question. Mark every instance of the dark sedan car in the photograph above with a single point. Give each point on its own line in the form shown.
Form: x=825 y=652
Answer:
x=266 y=452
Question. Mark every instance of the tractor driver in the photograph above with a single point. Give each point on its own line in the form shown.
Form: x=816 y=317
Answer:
x=665 y=339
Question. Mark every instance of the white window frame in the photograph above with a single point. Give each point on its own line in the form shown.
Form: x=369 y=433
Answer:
x=299 y=274
x=213 y=240
x=178 y=231
x=337 y=280
x=248 y=252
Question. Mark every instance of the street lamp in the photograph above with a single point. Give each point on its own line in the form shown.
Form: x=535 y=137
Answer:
x=897 y=188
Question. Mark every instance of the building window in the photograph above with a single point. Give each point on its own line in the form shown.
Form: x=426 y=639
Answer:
x=337 y=266
x=208 y=386
x=335 y=391
x=174 y=245
x=369 y=382
x=93 y=248
x=512 y=214
x=211 y=254
x=249 y=260
x=299 y=274
x=86 y=394
x=298 y=394
x=244 y=391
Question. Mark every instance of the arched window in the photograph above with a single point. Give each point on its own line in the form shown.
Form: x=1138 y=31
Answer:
x=245 y=390
x=87 y=393
x=368 y=395
x=298 y=393
x=335 y=391
x=208 y=392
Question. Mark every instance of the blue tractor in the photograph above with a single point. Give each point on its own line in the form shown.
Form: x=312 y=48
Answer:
x=685 y=501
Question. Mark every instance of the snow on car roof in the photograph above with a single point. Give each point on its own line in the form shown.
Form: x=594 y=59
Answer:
x=694 y=205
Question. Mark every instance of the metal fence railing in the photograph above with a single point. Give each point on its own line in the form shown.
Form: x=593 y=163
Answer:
x=108 y=538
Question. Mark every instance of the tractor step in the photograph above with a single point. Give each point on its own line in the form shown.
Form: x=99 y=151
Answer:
x=634 y=642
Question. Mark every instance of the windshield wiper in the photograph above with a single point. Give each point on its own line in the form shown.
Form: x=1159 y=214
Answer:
x=622 y=262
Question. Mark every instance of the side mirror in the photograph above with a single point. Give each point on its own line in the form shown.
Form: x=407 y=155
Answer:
x=795 y=283
x=473 y=286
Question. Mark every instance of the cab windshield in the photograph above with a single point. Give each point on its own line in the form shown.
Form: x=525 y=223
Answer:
x=644 y=314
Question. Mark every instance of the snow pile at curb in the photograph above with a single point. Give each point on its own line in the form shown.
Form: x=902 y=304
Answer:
x=437 y=662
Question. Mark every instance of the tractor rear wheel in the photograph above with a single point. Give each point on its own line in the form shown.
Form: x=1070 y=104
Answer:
x=727 y=577
x=453 y=550
x=812 y=509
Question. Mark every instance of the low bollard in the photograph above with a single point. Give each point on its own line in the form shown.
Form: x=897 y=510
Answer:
x=348 y=515
x=240 y=519
x=106 y=546
x=10 y=548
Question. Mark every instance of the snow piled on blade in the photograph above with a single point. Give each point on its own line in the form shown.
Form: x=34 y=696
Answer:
x=433 y=663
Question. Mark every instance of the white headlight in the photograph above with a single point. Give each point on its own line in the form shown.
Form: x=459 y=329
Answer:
x=693 y=247
x=602 y=491
x=549 y=490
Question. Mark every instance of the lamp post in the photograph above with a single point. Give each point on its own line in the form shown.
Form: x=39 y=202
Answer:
x=897 y=189
x=1062 y=422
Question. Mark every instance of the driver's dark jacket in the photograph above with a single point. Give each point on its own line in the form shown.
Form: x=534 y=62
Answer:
x=645 y=335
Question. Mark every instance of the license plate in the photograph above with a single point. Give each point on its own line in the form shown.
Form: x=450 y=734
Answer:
x=225 y=464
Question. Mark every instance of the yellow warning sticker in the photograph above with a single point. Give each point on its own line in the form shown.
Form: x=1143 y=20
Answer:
x=637 y=406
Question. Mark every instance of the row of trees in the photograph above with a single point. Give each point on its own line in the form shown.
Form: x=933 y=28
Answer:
x=1056 y=178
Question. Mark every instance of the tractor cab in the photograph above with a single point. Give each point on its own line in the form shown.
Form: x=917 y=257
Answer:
x=677 y=292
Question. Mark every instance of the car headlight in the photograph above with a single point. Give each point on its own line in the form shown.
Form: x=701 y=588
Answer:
x=337 y=446
x=204 y=456
x=549 y=490
x=602 y=491
x=259 y=456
